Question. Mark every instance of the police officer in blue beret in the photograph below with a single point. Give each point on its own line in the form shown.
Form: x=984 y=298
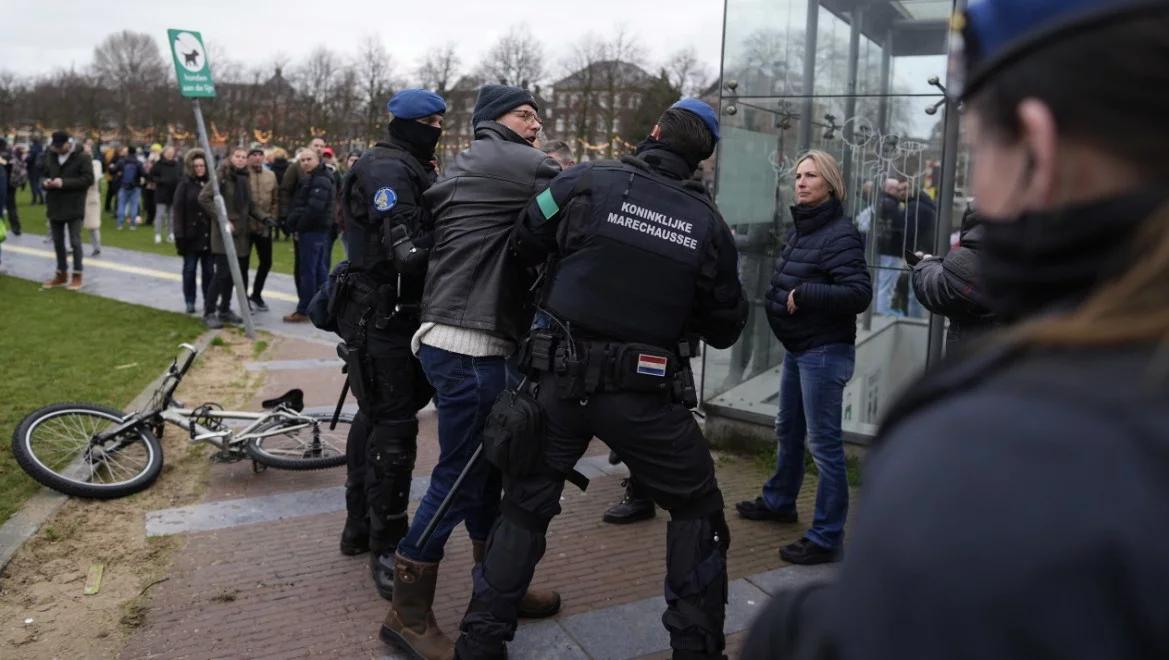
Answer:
x=377 y=313
x=641 y=266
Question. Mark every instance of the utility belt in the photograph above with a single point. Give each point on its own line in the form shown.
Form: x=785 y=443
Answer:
x=582 y=368
x=367 y=295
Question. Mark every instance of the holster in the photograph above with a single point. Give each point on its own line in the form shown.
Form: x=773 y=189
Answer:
x=355 y=359
x=513 y=434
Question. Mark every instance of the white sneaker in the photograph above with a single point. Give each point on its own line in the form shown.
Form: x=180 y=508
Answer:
x=157 y=239
x=170 y=238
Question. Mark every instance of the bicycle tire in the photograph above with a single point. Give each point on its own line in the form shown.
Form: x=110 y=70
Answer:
x=290 y=452
x=139 y=451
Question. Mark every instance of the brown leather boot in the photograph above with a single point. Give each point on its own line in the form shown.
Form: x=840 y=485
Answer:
x=60 y=279
x=410 y=622
x=75 y=283
x=536 y=603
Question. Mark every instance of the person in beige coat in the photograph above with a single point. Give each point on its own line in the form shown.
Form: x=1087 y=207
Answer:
x=264 y=188
x=92 y=220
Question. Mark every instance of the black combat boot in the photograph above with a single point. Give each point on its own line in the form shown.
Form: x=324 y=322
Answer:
x=355 y=536
x=634 y=507
x=381 y=569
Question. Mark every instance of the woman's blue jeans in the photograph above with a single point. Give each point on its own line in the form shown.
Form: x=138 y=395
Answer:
x=811 y=393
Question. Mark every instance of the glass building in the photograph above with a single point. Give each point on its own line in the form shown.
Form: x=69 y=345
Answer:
x=862 y=80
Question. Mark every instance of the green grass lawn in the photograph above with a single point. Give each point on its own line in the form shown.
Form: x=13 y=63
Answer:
x=32 y=218
x=67 y=346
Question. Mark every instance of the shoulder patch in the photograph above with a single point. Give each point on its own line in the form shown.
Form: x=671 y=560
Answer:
x=548 y=205
x=384 y=199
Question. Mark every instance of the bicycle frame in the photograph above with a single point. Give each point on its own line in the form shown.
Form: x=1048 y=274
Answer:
x=227 y=439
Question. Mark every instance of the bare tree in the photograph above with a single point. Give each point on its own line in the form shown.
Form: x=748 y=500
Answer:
x=686 y=73
x=439 y=69
x=316 y=78
x=516 y=59
x=581 y=79
x=374 y=71
x=130 y=62
x=622 y=56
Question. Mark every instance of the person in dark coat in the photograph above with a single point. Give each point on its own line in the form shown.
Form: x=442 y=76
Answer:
x=165 y=173
x=35 y=161
x=192 y=227
x=68 y=176
x=921 y=219
x=310 y=217
x=241 y=212
x=952 y=285
x=820 y=284
x=7 y=158
x=1015 y=498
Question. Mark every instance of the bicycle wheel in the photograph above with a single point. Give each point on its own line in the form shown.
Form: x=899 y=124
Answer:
x=53 y=445
x=309 y=447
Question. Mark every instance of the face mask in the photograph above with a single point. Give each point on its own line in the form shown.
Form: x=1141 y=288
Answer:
x=422 y=138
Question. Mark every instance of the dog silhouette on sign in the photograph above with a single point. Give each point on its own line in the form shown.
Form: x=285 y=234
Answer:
x=191 y=58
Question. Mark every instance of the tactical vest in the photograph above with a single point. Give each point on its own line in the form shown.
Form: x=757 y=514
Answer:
x=636 y=247
x=369 y=207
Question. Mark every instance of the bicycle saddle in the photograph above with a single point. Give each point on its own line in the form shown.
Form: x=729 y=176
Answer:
x=293 y=398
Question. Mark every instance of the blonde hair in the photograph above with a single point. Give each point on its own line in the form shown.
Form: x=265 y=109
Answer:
x=828 y=170
x=279 y=152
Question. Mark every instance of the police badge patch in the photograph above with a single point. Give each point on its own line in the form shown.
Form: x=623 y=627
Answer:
x=384 y=199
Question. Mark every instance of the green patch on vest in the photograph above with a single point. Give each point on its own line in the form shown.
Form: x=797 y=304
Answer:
x=547 y=204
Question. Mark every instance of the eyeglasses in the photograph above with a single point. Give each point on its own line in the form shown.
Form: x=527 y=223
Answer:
x=527 y=115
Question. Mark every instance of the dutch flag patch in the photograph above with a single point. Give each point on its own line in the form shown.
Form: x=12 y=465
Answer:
x=651 y=365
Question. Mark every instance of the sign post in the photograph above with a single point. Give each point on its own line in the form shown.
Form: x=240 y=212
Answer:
x=193 y=72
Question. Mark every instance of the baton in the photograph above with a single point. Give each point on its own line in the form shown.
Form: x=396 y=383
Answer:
x=450 y=498
x=340 y=404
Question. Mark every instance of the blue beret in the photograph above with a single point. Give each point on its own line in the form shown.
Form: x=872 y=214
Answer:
x=704 y=112
x=416 y=104
x=994 y=33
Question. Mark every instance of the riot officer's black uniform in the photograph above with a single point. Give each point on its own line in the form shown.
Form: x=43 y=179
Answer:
x=377 y=314
x=640 y=266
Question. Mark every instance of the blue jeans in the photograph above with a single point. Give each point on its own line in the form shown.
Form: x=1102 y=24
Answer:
x=811 y=391
x=465 y=388
x=191 y=262
x=128 y=204
x=313 y=258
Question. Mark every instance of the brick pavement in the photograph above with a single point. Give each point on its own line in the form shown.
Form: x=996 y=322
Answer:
x=282 y=589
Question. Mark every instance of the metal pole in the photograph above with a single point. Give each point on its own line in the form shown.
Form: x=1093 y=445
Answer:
x=879 y=179
x=854 y=40
x=945 y=201
x=449 y=499
x=224 y=226
x=806 y=119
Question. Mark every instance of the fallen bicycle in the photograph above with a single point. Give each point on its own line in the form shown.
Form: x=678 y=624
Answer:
x=94 y=451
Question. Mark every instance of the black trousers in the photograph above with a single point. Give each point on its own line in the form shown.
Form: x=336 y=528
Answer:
x=263 y=243
x=218 y=297
x=13 y=215
x=665 y=450
x=58 y=229
x=383 y=441
x=148 y=203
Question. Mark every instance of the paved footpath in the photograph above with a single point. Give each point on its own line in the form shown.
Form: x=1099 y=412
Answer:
x=258 y=573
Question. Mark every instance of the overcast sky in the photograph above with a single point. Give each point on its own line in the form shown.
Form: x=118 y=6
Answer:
x=42 y=36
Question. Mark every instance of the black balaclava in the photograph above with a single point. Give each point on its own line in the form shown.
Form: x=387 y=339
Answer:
x=418 y=138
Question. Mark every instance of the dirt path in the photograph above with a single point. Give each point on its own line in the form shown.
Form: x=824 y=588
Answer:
x=43 y=613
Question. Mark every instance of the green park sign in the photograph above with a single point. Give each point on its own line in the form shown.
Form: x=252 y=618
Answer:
x=191 y=66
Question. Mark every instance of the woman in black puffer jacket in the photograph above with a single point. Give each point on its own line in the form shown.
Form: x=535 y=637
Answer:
x=819 y=285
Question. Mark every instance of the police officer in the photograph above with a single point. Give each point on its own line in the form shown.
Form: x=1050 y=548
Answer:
x=640 y=266
x=377 y=314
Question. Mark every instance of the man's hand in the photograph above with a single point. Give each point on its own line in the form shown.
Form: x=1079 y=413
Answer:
x=791 y=302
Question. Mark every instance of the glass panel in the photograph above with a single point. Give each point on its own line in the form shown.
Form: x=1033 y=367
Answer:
x=766 y=42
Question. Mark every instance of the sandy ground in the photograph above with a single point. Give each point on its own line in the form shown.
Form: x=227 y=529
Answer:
x=43 y=613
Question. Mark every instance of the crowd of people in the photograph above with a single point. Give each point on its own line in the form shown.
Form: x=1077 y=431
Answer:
x=1010 y=499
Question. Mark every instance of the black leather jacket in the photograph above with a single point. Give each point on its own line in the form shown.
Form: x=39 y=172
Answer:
x=473 y=280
